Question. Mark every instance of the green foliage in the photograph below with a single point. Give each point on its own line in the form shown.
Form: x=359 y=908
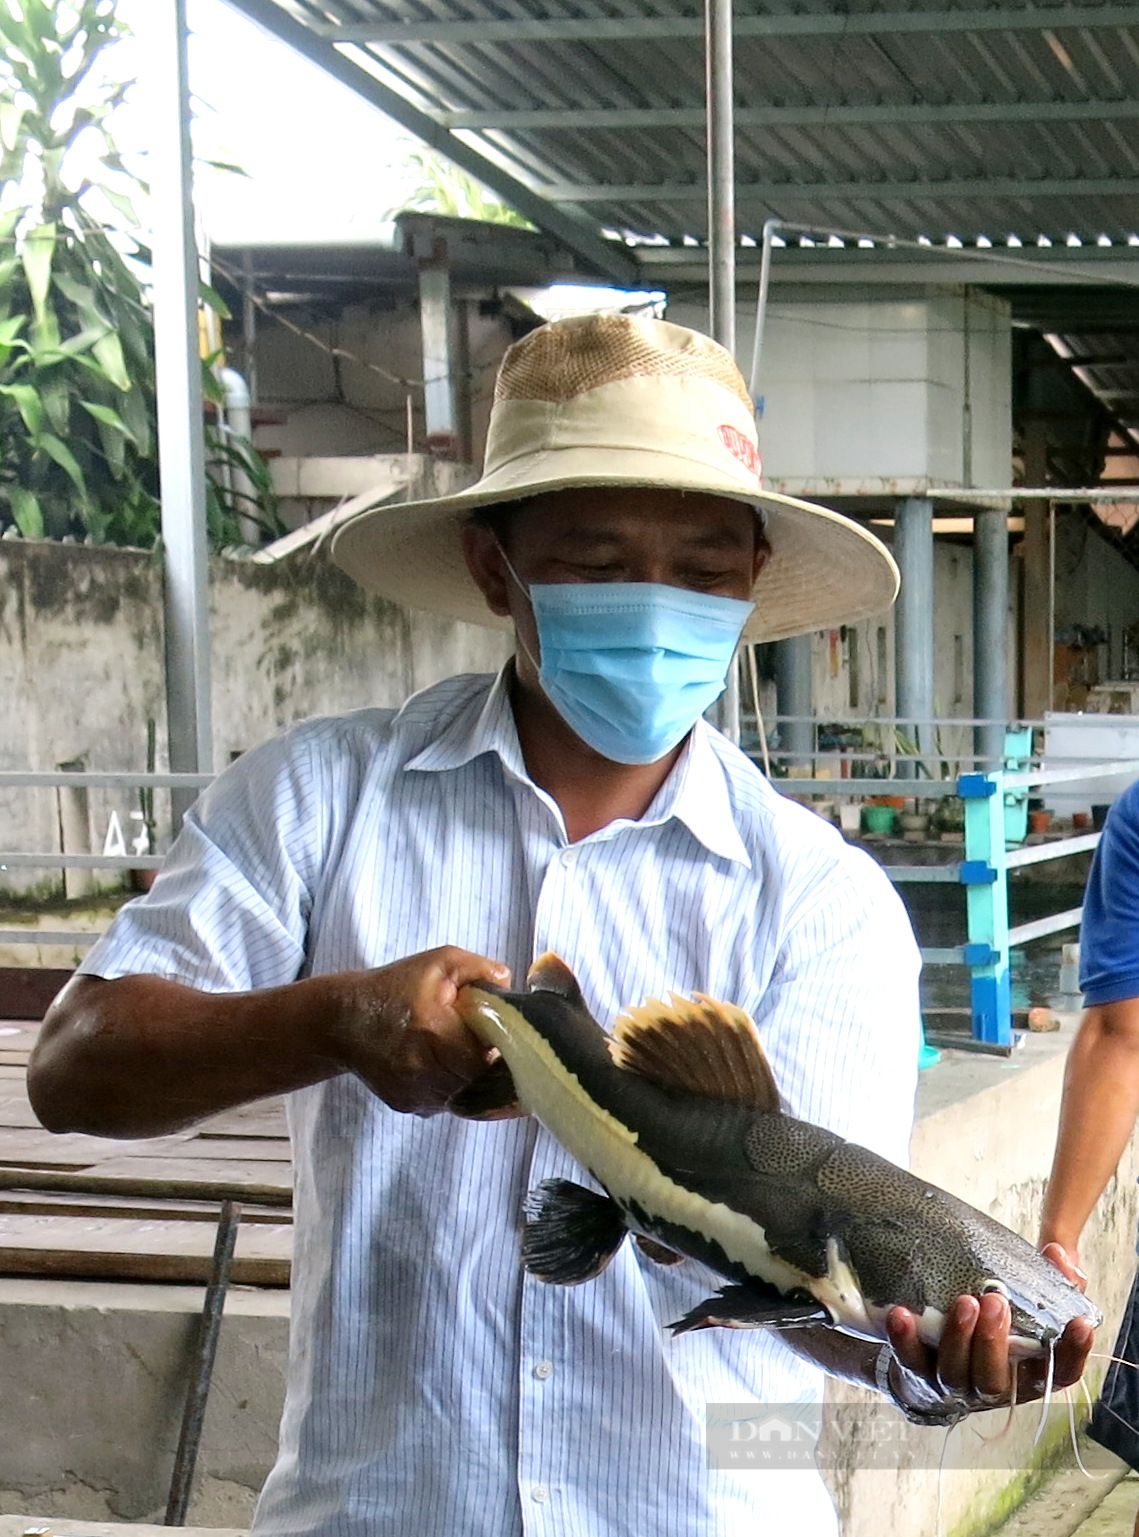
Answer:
x=444 y=189
x=77 y=392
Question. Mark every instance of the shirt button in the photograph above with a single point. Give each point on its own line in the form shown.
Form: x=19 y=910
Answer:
x=543 y=1370
x=568 y=856
x=540 y=1494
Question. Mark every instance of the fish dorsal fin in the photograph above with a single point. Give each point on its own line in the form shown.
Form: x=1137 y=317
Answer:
x=698 y=1046
x=550 y=974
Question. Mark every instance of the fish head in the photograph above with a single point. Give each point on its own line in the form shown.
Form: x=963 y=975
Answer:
x=1042 y=1303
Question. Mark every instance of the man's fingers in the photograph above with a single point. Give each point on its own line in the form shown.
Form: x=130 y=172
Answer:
x=1072 y=1352
x=990 y=1373
x=1067 y=1261
x=955 y=1353
x=902 y=1327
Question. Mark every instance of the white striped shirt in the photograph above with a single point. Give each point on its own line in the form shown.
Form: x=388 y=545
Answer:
x=434 y=1389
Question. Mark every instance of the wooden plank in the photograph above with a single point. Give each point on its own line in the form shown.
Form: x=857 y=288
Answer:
x=48 y=1203
x=74 y=1150
x=14 y=1057
x=233 y=1149
x=169 y=1178
x=16 y=1112
x=114 y=1248
x=18 y=1036
x=263 y=1118
x=26 y=991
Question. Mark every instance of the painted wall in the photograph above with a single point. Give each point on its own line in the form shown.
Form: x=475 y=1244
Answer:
x=81 y=659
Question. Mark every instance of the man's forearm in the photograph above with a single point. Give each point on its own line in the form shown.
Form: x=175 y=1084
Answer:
x=1097 y=1115
x=141 y=1056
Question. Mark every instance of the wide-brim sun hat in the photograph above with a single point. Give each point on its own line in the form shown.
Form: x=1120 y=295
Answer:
x=618 y=400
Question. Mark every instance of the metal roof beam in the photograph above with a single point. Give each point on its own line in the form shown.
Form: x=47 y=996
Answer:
x=603 y=256
x=833 y=24
x=971 y=188
x=898 y=115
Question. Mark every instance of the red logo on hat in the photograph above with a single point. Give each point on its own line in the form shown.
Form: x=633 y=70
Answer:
x=741 y=448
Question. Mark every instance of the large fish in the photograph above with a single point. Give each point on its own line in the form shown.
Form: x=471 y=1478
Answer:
x=676 y=1115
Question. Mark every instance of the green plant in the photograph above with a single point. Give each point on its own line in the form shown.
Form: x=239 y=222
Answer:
x=445 y=189
x=77 y=392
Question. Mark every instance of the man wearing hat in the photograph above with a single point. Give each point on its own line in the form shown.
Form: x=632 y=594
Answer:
x=332 y=891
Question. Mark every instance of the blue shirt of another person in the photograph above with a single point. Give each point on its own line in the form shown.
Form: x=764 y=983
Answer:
x=1109 y=933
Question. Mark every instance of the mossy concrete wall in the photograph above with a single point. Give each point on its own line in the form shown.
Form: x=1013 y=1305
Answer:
x=81 y=669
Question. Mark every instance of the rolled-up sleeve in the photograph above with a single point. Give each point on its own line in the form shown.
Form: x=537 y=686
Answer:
x=230 y=908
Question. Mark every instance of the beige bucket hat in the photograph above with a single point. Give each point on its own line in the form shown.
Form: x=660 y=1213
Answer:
x=615 y=400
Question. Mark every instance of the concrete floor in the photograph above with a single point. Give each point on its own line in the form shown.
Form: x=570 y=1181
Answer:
x=1116 y=1516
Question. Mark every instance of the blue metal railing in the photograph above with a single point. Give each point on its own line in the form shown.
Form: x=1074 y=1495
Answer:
x=995 y=817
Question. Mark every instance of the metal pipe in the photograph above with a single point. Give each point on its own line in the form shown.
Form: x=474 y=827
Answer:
x=719 y=110
x=178 y=383
x=205 y=1351
x=990 y=632
x=793 y=693
x=769 y=228
x=238 y=403
x=913 y=620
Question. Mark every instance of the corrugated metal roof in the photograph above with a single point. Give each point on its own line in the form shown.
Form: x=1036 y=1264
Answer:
x=936 y=120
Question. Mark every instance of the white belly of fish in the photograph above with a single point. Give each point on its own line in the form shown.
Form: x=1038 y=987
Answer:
x=609 y=1150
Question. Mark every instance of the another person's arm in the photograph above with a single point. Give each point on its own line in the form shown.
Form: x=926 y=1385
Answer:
x=1097 y=1116
x=1101 y=1081
x=141 y=1055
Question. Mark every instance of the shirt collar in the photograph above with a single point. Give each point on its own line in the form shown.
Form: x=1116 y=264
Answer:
x=485 y=724
x=695 y=793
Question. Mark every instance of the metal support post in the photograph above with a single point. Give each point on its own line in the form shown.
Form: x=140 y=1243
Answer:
x=720 y=116
x=913 y=624
x=990 y=634
x=720 y=109
x=793 y=697
x=440 y=415
x=987 y=950
x=178 y=380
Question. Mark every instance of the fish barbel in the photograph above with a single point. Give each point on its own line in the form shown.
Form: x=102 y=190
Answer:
x=677 y=1117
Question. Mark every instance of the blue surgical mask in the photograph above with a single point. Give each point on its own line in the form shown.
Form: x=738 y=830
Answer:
x=631 y=666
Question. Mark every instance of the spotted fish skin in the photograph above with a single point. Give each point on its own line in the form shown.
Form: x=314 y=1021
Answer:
x=804 y=1224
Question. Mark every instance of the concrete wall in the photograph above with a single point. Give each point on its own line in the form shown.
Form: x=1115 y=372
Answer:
x=82 y=662
x=93 y=1375
x=331 y=405
x=873 y=393
x=1094 y=586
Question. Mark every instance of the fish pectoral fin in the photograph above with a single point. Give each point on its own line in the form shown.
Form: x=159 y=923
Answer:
x=752 y=1305
x=489 y=1097
x=696 y=1046
x=657 y=1252
x=550 y=974
x=571 y=1233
